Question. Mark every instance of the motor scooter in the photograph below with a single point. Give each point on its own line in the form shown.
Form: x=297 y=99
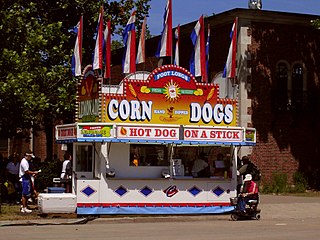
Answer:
x=251 y=212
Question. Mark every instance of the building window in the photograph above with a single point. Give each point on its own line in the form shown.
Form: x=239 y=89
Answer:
x=298 y=92
x=280 y=87
x=289 y=89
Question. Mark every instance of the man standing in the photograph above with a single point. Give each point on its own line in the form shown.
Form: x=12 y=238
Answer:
x=25 y=178
x=66 y=173
x=200 y=166
x=12 y=175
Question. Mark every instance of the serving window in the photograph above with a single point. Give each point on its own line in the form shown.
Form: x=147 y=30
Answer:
x=148 y=155
x=218 y=159
x=183 y=158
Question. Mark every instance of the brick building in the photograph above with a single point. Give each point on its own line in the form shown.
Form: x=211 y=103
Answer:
x=278 y=73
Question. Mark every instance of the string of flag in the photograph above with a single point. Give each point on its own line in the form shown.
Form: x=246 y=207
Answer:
x=199 y=61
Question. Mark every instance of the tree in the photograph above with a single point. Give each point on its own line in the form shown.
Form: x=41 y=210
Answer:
x=316 y=23
x=36 y=86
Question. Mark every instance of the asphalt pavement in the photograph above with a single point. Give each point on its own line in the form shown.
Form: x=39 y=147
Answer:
x=273 y=207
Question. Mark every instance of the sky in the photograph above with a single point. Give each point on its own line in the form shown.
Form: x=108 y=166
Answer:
x=186 y=11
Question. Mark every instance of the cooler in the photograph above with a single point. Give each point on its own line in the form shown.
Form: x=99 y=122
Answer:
x=56 y=190
x=57 y=203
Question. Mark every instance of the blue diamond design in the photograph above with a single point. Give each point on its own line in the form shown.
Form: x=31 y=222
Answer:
x=121 y=191
x=194 y=190
x=218 y=191
x=88 y=191
x=146 y=191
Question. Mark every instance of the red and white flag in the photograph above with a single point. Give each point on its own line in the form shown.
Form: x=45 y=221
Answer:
x=129 y=40
x=141 y=57
x=165 y=45
x=230 y=67
x=107 y=40
x=77 y=53
x=98 y=50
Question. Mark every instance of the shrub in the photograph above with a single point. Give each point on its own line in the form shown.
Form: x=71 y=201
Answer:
x=300 y=182
x=49 y=170
x=278 y=184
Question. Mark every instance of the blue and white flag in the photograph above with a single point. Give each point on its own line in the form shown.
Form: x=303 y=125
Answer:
x=198 y=57
x=129 y=40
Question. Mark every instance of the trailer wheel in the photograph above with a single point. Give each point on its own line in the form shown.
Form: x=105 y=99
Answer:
x=257 y=216
x=234 y=217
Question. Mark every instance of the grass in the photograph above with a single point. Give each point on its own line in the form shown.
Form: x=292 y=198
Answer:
x=12 y=212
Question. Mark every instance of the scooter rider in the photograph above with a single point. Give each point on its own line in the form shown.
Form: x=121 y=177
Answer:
x=250 y=191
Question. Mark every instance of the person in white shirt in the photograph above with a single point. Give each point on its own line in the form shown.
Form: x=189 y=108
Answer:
x=25 y=178
x=200 y=166
x=66 y=172
x=12 y=175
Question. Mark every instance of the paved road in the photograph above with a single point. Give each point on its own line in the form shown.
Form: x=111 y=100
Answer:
x=282 y=218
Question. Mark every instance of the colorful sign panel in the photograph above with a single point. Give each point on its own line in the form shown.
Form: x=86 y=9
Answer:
x=213 y=134
x=250 y=135
x=95 y=131
x=170 y=95
x=66 y=132
x=152 y=133
x=88 y=97
x=147 y=132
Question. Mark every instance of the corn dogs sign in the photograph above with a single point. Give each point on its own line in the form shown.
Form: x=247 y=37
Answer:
x=170 y=95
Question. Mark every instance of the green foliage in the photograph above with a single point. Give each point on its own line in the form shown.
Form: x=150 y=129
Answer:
x=279 y=184
x=36 y=85
x=300 y=182
x=49 y=170
x=316 y=23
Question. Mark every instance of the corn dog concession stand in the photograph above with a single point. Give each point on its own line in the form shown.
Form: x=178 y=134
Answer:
x=134 y=144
